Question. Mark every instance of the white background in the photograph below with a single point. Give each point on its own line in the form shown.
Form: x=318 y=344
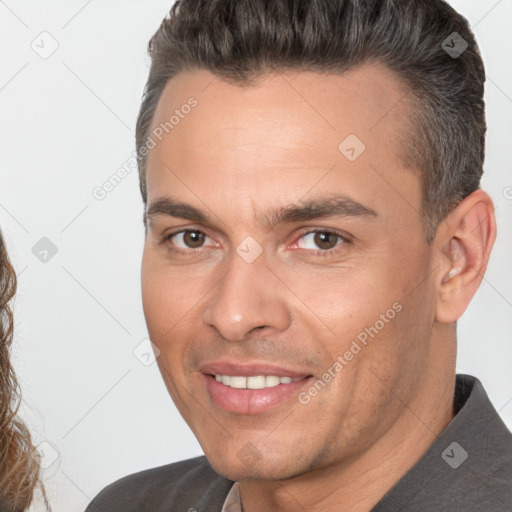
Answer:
x=67 y=124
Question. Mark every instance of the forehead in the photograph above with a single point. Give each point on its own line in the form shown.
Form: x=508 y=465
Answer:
x=367 y=98
x=282 y=136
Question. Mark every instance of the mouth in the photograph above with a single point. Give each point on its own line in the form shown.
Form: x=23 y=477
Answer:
x=254 y=381
x=251 y=389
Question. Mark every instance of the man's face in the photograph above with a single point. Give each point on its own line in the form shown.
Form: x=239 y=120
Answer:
x=248 y=292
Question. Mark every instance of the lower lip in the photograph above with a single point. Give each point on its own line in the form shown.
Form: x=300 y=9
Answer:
x=251 y=401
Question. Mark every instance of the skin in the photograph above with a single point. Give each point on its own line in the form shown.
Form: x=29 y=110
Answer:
x=242 y=152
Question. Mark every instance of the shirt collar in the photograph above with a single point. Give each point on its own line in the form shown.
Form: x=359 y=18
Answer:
x=233 y=502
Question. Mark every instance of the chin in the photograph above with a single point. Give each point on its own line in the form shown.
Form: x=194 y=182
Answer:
x=248 y=464
x=239 y=473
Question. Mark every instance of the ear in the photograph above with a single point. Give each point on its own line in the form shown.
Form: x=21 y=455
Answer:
x=464 y=240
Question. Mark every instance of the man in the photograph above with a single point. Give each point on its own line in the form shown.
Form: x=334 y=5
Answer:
x=314 y=230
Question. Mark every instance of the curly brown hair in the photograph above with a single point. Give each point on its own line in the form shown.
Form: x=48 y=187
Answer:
x=19 y=467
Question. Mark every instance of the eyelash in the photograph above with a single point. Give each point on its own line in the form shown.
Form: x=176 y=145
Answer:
x=322 y=253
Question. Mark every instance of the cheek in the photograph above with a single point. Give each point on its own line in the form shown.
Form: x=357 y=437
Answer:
x=166 y=294
x=161 y=302
x=376 y=312
x=162 y=312
x=154 y=301
x=170 y=302
x=349 y=301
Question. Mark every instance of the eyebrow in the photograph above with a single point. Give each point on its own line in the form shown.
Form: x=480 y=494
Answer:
x=320 y=208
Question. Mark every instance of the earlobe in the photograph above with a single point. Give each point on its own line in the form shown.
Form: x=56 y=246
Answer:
x=466 y=241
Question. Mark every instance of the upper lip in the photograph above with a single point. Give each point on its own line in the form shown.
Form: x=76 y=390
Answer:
x=248 y=369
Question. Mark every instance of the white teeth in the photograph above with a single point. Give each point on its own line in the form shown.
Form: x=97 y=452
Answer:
x=238 y=382
x=253 y=382
x=271 y=381
x=256 y=382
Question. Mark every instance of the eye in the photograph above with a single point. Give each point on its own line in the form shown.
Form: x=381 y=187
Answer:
x=193 y=240
x=186 y=239
x=325 y=241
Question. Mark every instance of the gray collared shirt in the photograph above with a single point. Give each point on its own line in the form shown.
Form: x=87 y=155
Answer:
x=468 y=468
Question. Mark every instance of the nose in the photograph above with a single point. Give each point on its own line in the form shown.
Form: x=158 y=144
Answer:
x=248 y=297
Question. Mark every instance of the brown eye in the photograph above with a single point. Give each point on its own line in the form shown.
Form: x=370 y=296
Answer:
x=186 y=239
x=326 y=240
x=193 y=239
x=320 y=240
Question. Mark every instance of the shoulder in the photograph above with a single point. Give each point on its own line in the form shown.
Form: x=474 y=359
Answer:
x=186 y=485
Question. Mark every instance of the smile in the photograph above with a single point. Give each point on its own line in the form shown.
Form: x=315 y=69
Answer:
x=253 y=382
x=253 y=394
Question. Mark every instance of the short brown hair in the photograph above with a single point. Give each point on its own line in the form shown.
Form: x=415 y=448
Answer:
x=240 y=40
